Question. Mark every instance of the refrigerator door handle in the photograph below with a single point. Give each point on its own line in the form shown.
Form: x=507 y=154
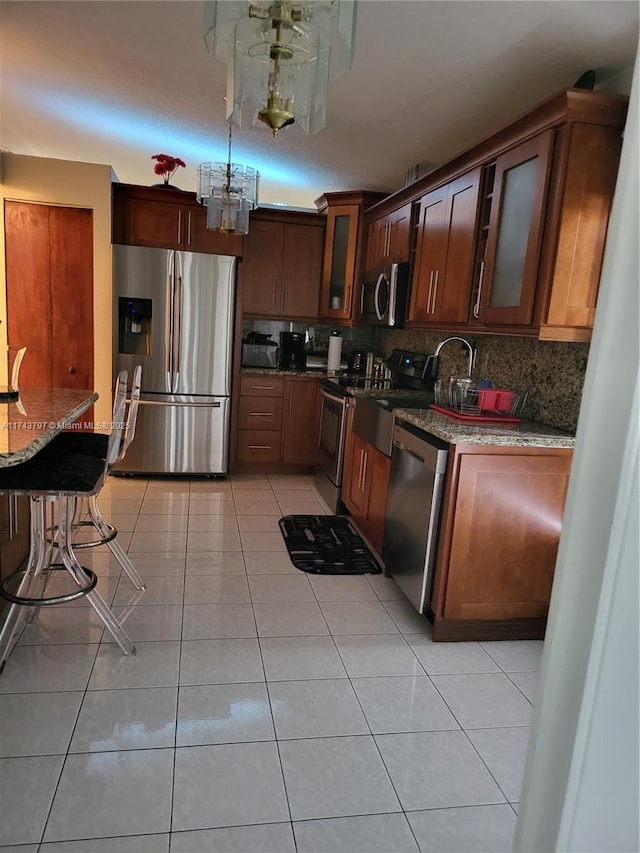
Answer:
x=168 y=317
x=214 y=405
x=177 y=296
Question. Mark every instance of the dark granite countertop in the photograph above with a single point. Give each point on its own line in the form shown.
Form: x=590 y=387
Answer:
x=524 y=434
x=264 y=371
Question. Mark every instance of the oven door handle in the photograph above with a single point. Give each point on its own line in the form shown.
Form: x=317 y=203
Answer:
x=341 y=401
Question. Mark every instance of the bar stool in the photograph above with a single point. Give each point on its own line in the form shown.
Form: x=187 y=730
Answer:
x=95 y=444
x=54 y=478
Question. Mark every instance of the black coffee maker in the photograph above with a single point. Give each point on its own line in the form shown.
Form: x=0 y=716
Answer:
x=292 y=355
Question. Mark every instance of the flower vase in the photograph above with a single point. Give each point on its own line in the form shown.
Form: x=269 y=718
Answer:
x=166 y=186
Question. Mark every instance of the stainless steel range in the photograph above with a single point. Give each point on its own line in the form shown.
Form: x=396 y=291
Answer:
x=410 y=372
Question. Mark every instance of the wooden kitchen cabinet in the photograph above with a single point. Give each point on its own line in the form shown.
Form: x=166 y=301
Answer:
x=15 y=522
x=282 y=267
x=260 y=419
x=167 y=219
x=502 y=516
x=300 y=430
x=49 y=281
x=344 y=253
x=278 y=422
x=510 y=233
x=388 y=239
x=587 y=158
x=546 y=189
x=366 y=477
x=444 y=252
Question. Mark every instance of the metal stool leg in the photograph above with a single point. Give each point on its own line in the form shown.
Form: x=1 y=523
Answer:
x=67 y=510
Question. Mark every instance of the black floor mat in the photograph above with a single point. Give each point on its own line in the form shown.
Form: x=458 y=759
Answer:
x=326 y=545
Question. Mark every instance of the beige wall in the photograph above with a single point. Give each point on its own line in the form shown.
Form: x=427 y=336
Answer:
x=36 y=179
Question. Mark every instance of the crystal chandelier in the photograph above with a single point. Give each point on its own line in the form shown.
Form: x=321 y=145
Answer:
x=230 y=192
x=279 y=57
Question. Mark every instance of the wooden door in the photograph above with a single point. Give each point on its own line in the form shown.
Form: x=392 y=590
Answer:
x=157 y=224
x=506 y=529
x=580 y=210
x=71 y=258
x=357 y=496
x=15 y=519
x=431 y=253
x=451 y=286
x=303 y=246
x=400 y=234
x=301 y=422
x=338 y=277
x=378 y=468
x=199 y=238
x=516 y=227
x=49 y=263
x=376 y=243
x=261 y=270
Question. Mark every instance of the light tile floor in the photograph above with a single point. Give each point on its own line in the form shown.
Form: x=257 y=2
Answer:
x=265 y=710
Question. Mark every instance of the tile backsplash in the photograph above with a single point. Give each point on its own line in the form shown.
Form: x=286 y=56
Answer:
x=364 y=337
x=552 y=373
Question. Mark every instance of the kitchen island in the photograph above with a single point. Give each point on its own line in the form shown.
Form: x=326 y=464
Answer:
x=503 y=502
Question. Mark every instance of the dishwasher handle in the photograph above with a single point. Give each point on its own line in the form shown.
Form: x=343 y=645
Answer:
x=427 y=449
x=401 y=446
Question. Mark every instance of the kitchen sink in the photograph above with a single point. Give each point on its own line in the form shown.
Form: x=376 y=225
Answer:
x=373 y=418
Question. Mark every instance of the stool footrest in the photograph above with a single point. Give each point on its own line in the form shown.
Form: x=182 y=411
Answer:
x=54 y=599
x=104 y=540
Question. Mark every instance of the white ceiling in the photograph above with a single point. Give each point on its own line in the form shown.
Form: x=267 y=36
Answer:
x=115 y=82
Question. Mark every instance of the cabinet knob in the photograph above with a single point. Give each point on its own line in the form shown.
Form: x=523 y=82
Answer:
x=72 y=370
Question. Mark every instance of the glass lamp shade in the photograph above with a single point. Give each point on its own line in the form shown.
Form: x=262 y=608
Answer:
x=230 y=192
x=279 y=57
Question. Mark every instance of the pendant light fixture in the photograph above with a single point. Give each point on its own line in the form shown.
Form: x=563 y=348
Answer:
x=230 y=192
x=279 y=57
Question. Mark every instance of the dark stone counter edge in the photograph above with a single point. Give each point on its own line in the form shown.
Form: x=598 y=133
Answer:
x=525 y=434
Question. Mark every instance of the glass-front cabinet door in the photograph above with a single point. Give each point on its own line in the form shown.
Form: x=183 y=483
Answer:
x=338 y=283
x=510 y=234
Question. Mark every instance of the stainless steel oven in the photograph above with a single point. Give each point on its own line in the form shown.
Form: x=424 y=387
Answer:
x=333 y=418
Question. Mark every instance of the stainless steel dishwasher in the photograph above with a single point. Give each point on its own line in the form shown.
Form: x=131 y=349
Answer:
x=418 y=465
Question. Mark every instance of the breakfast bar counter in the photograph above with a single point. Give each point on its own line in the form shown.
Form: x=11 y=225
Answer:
x=31 y=422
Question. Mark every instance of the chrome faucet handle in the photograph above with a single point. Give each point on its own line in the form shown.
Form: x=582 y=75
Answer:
x=471 y=348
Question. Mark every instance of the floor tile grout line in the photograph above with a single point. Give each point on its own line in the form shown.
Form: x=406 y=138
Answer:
x=67 y=753
x=462 y=728
x=350 y=678
x=517 y=686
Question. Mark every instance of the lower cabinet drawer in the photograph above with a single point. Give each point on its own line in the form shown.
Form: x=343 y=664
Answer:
x=261 y=413
x=259 y=445
x=262 y=386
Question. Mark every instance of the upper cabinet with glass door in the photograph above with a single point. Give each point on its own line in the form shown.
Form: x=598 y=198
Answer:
x=343 y=253
x=510 y=233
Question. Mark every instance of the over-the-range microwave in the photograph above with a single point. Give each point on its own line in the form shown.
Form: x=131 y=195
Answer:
x=384 y=296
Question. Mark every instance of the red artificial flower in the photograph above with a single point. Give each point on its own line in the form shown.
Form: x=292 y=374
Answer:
x=166 y=163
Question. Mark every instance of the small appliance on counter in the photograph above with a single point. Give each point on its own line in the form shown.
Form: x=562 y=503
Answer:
x=358 y=362
x=258 y=350
x=292 y=351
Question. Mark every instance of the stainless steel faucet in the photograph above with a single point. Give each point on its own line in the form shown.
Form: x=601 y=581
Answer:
x=472 y=351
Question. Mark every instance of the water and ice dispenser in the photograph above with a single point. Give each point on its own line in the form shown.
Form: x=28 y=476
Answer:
x=134 y=326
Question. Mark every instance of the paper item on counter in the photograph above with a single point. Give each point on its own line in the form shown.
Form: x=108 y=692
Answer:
x=335 y=353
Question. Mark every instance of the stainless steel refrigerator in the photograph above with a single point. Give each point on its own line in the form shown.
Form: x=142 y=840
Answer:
x=173 y=314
